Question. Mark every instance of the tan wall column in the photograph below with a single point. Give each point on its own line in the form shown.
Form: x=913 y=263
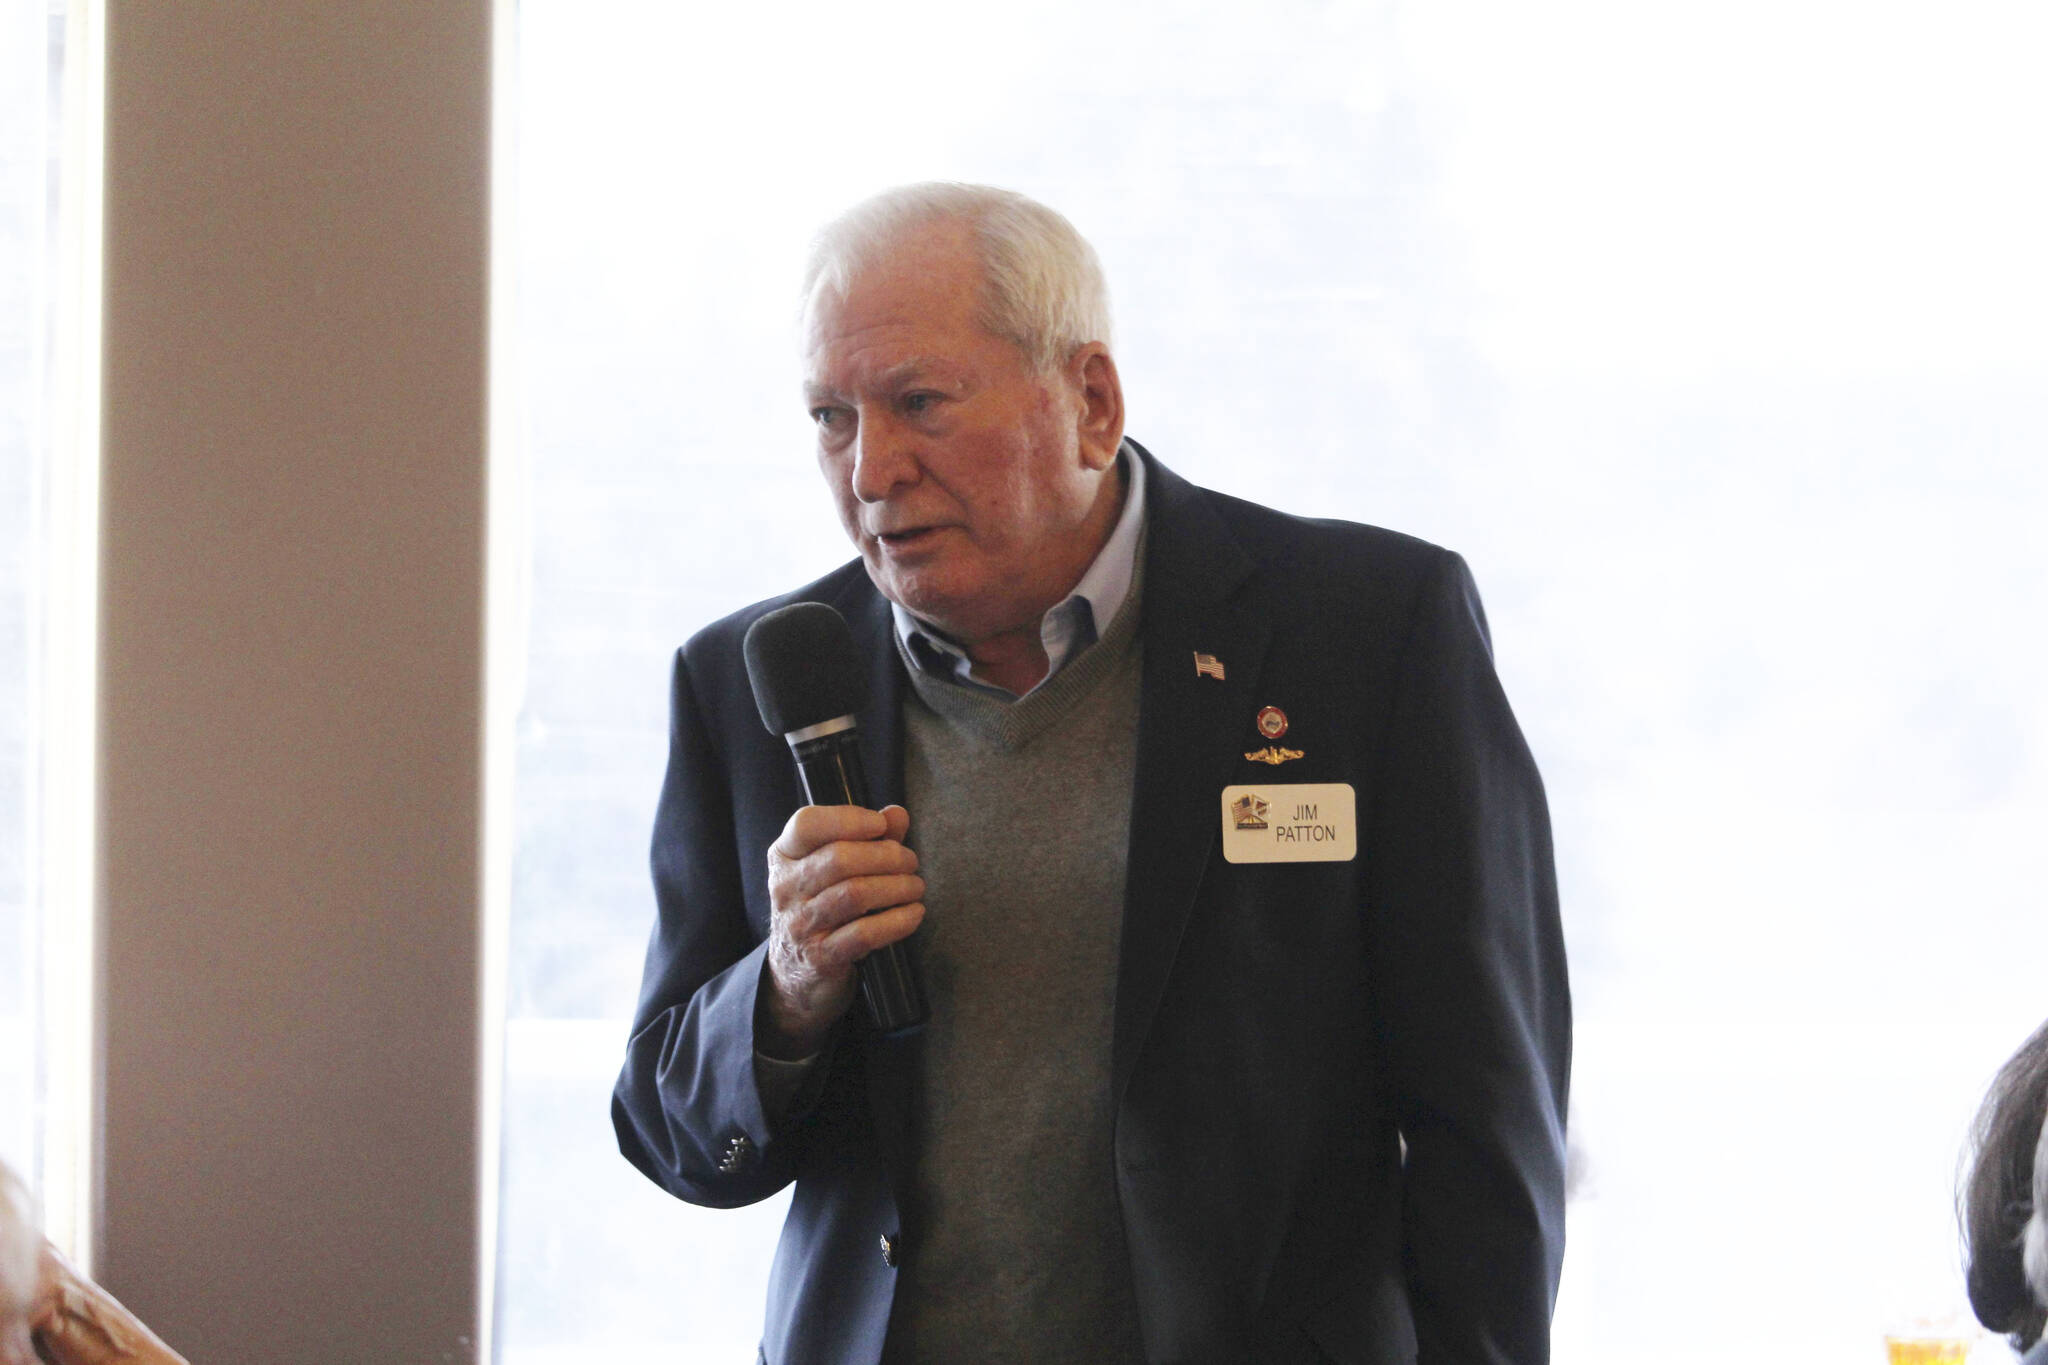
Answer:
x=291 y=732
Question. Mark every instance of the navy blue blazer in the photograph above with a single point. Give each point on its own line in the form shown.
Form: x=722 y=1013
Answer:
x=1339 y=1087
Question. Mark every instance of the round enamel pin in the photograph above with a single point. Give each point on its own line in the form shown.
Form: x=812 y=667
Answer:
x=1272 y=722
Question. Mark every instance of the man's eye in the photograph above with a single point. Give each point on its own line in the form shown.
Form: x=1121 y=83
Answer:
x=919 y=402
x=825 y=417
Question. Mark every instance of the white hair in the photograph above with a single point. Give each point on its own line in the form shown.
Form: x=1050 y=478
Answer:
x=2034 y=1242
x=20 y=1247
x=1042 y=284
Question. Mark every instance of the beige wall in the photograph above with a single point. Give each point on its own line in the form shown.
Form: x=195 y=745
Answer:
x=290 y=669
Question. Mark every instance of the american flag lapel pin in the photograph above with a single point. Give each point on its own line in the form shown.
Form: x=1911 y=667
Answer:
x=1208 y=666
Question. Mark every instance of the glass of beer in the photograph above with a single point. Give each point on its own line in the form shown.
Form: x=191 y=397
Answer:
x=1929 y=1349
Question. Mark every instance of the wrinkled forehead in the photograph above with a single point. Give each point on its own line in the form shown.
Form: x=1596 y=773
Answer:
x=884 y=335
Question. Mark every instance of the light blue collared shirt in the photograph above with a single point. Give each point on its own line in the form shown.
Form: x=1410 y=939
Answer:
x=1072 y=625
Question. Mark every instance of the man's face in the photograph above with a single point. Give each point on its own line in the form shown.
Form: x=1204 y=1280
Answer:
x=959 y=471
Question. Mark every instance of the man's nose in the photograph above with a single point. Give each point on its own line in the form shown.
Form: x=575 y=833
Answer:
x=883 y=459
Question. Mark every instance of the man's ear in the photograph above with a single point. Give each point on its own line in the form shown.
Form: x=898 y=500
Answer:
x=1100 y=419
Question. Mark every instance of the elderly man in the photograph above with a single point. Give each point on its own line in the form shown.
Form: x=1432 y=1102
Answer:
x=1226 y=866
x=2003 y=1201
x=21 y=1290
x=50 y=1312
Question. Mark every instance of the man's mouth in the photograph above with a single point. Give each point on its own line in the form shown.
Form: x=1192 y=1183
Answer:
x=897 y=540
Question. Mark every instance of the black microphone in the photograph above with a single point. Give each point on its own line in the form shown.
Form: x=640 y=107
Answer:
x=808 y=682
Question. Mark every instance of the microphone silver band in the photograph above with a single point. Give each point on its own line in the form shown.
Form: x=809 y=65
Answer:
x=820 y=730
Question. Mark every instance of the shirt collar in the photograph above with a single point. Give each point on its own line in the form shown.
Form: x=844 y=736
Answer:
x=1073 y=624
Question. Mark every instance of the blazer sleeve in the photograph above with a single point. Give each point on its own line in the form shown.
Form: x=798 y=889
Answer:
x=686 y=1108
x=1474 y=1005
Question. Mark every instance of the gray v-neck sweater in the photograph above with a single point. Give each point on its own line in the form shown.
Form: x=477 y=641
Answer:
x=1020 y=815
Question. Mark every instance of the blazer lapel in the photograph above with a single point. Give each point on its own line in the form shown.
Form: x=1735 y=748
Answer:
x=1189 y=727
x=893 y=1065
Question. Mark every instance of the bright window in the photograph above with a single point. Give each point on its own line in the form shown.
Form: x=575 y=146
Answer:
x=1712 y=337
x=24 y=234
x=48 y=205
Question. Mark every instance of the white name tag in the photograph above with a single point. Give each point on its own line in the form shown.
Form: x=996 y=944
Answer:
x=1300 y=822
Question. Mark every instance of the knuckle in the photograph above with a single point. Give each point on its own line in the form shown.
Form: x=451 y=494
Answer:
x=840 y=902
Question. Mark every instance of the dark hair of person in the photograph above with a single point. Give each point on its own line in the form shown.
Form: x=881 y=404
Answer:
x=1997 y=1195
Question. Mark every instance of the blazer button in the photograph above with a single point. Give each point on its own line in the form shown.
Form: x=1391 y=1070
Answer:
x=739 y=1154
x=888 y=1250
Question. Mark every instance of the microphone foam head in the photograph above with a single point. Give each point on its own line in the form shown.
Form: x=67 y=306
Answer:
x=804 y=668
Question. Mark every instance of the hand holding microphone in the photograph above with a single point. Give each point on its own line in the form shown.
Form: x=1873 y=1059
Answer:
x=843 y=888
